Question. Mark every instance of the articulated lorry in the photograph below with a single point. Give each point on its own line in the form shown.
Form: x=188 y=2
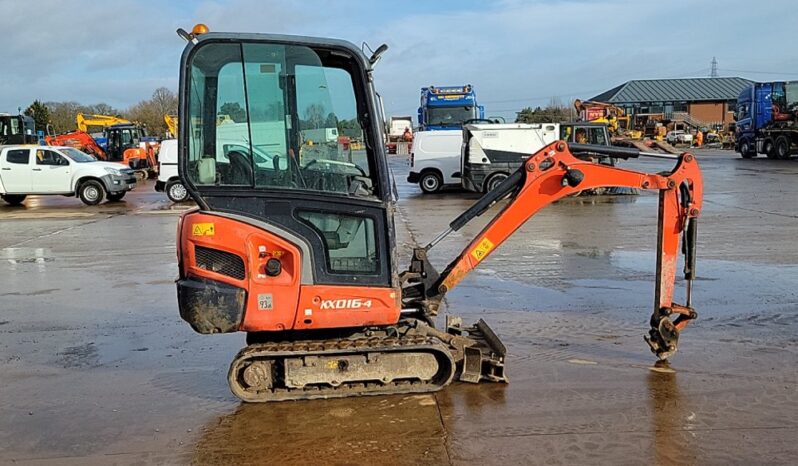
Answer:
x=447 y=108
x=767 y=120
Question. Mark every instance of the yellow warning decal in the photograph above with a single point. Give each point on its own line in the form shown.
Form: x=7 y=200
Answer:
x=203 y=229
x=482 y=249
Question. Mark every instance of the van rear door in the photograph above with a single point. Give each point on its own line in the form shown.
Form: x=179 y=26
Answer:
x=15 y=171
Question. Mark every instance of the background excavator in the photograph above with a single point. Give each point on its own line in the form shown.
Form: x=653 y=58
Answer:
x=617 y=121
x=294 y=244
x=118 y=140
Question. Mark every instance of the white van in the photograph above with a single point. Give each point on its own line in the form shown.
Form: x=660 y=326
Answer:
x=435 y=159
x=167 y=172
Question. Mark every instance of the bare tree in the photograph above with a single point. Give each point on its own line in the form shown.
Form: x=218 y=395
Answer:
x=151 y=112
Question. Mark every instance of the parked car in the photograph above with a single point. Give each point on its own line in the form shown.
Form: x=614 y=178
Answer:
x=42 y=170
x=678 y=137
x=168 y=181
x=435 y=160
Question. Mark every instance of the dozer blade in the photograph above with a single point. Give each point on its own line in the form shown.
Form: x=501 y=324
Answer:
x=477 y=350
x=484 y=359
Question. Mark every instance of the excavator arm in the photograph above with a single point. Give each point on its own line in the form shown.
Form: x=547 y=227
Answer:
x=551 y=174
x=84 y=122
x=171 y=124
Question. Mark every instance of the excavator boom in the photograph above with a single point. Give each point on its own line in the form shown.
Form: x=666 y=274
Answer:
x=553 y=173
x=86 y=121
x=171 y=124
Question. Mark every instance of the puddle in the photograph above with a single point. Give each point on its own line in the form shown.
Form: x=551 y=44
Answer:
x=584 y=362
x=26 y=255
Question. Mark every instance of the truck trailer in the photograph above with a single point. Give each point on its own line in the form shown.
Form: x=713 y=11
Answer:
x=396 y=129
x=767 y=116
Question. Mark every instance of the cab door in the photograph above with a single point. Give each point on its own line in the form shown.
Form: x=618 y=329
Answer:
x=15 y=171
x=252 y=105
x=51 y=172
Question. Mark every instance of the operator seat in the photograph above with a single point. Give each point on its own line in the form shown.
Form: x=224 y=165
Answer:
x=240 y=168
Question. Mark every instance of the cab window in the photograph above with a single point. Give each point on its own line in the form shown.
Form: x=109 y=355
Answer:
x=276 y=117
x=47 y=157
x=349 y=241
x=18 y=156
x=597 y=136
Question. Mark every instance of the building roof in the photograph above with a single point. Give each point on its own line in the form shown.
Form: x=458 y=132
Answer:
x=678 y=90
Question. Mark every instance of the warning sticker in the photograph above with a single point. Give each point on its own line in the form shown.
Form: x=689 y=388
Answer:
x=203 y=229
x=265 y=302
x=482 y=249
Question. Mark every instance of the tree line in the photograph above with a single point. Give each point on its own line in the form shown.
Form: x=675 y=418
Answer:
x=149 y=112
x=554 y=112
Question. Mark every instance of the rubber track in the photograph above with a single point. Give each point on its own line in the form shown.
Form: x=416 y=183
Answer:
x=362 y=345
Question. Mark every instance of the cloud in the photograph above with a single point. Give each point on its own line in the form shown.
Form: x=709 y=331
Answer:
x=514 y=52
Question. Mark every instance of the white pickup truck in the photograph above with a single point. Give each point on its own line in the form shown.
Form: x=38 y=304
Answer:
x=42 y=170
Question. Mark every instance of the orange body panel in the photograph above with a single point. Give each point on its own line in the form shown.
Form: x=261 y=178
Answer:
x=346 y=306
x=146 y=153
x=282 y=302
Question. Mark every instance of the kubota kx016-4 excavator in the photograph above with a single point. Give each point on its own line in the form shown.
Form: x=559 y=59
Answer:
x=294 y=242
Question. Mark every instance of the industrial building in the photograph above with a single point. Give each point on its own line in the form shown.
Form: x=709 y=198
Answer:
x=694 y=101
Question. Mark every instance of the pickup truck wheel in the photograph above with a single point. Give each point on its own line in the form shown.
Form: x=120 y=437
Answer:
x=115 y=197
x=746 y=150
x=176 y=192
x=91 y=192
x=430 y=182
x=782 y=148
x=494 y=181
x=14 y=199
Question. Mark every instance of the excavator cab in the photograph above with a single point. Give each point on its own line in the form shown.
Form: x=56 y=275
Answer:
x=120 y=138
x=279 y=169
x=17 y=129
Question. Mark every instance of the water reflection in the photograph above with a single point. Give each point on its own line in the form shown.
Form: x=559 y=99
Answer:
x=366 y=430
x=475 y=399
x=670 y=417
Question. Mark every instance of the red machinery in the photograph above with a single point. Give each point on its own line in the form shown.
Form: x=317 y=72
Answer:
x=299 y=253
x=79 y=140
x=124 y=145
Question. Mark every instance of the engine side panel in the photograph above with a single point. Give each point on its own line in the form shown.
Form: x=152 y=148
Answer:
x=323 y=306
x=234 y=253
x=221 y=254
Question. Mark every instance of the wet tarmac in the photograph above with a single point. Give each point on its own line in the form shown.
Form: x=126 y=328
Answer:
x=96 y=366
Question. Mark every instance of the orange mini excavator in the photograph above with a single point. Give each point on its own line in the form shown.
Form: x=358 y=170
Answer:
x=294 y=239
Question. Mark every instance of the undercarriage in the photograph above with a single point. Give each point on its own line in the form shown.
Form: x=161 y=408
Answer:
x=410 y=357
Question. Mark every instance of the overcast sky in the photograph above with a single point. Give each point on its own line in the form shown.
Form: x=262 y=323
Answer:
x=515 y=53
